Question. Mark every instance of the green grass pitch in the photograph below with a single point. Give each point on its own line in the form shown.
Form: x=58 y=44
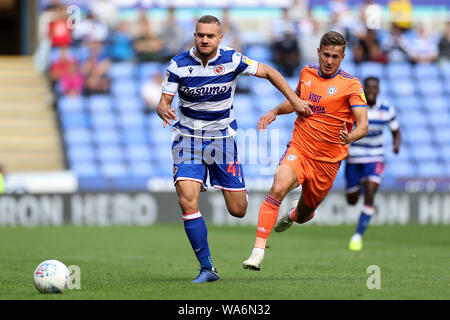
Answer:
x=157 y=262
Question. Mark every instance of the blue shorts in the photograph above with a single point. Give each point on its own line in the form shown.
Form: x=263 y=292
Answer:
x=193 y=158
x=356 y=173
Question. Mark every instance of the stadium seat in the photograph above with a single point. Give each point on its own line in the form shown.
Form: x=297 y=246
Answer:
x=242 y=103
x=74 y=120
x=135 y=136
x=128 y=103
x=138 y=152
x=142 y=169
x=442 y=135
x=99 y=103
x=439 y=120
x=424 y=152
x=124 y=87
x=106 y=136
x=70 y=104
x=131 y=119
x=346 y=66
x=262 y=87
x=430 y=86
x=103 y=120
x=80 y=153
x=400 y=169
x=85 y=169
x=77 y=136
x=367 y=69
x=402 y=87
x=259 y=53
x=426 y=71
x=246 y=121
x=413 y=120
x=398 y=70
x=407 y=103
x=114 y=169
x=439 y=103
x=264 y=104
x=147 y=69
x=430 y=169
x=122 y=70
x=110 y=153
x=444 y=152
x=445 y=71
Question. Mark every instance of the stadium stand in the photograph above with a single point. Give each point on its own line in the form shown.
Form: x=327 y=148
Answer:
x=109 y=135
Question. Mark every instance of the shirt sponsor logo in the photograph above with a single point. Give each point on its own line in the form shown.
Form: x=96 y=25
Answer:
x=202 y=91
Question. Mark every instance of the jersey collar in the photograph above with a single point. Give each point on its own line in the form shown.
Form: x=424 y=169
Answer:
x=191 y=52
x=334 y=75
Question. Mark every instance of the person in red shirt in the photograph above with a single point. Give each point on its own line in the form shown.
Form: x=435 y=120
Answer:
x=60 y=34
x=319 y=141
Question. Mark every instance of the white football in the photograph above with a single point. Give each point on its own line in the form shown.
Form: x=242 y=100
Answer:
x=51 y=276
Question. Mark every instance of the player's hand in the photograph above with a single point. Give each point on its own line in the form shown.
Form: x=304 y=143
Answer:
x=396 y=149
x=266 y=119
x=303 y=108
x=168 y=116
x=343 y=134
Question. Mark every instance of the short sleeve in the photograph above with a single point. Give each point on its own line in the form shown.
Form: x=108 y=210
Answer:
x=171 y=79
x=393 y=122
x=298 y=90
x=245 y=65
x=356 y=97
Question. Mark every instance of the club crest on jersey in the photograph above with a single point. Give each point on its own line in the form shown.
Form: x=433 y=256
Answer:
x=331 y=90
x=220 y=69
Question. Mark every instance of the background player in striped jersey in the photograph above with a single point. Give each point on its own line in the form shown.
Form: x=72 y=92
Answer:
x=365 y=162
x=205 y=79
x=319 y=142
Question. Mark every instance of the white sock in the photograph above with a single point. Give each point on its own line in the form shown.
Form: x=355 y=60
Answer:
x=356 y=237
x=258 y=250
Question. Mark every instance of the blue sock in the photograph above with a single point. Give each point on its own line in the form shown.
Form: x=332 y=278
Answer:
x=198 y=237
x=364 y=219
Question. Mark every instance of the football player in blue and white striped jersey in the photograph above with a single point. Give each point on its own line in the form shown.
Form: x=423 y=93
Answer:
x=205 y=79
x=365 y=162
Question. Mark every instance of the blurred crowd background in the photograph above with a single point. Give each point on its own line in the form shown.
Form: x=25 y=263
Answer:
x=105 y=61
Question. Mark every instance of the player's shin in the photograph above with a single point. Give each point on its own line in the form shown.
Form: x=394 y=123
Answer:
x=268 y=214
x=364 y=218
x=197 y=233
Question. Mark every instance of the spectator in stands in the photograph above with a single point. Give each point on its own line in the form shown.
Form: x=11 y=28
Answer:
x=368 y=49
x=230 y=31
x=280 y=27
x=151 y=92
x=401 y=13
x=60 y=34
x=422 y=47
x=309 y=37
x=72 y=82
x=95 y=69
x=62 y=65
x=2 y=180
x=42 y=54
x=342 y=21
x=371 y=14
x=147 y=44
x=444 y=46
x=172 y=36
x=395 y=45
x=286 y=53
x=121 y=43
x=90 y=28
x=105 y=11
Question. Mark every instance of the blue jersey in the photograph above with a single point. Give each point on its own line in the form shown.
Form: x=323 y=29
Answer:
x=206 y=92
x=371 y=147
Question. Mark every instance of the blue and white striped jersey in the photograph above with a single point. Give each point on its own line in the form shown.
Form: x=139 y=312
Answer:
x=206 y=92
x=371 y=147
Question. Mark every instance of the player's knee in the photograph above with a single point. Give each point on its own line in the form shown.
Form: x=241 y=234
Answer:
x=352 y=201
x=278 y=191
x=187 y=204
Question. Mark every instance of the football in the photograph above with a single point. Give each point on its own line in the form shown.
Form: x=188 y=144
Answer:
x=51 y=276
